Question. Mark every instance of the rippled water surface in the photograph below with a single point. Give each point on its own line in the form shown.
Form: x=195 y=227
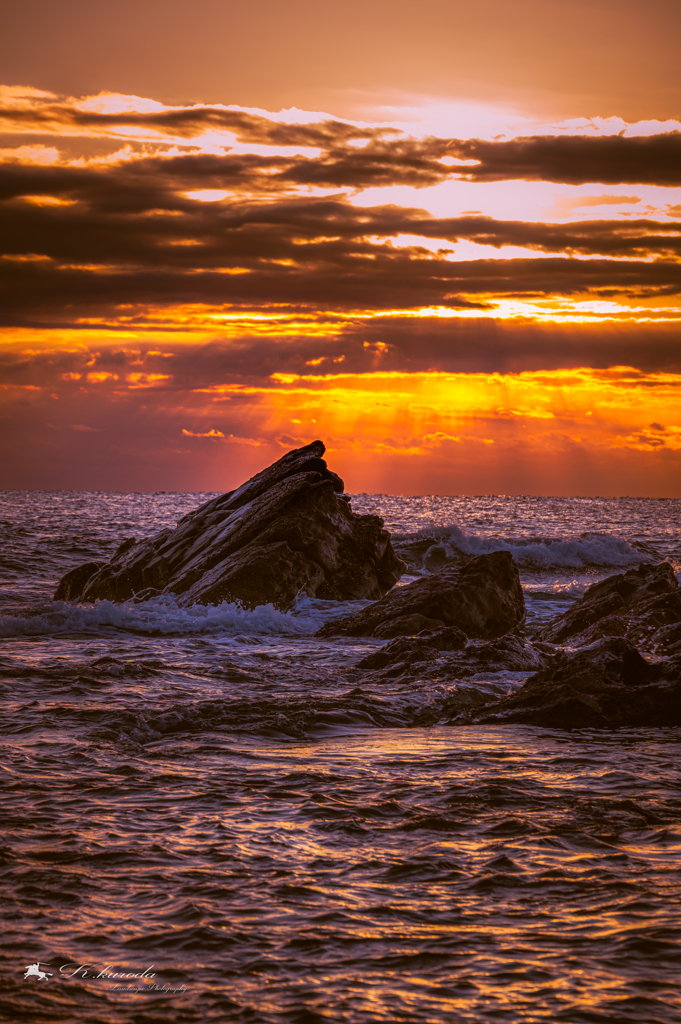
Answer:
x=216 y=798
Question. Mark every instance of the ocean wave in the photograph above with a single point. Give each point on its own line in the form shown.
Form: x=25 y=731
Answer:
x=156 y=617
x=432 y=548
x=556 y=591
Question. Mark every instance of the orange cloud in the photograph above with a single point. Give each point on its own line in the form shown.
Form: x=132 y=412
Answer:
x=208 y=433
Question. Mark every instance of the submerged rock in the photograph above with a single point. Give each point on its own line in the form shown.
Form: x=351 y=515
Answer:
x=482 y=597
x=447 y=655
x=508 y=653
x=415 y=648
x=605 y=685
x=289 y=530
x=643 y=604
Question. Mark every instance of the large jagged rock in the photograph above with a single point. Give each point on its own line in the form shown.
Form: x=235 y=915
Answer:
x=643 y=604
x=288 y=530
x=605 y=685
x=482 y=597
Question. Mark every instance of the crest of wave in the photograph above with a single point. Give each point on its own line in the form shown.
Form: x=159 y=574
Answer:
x=443 y=543
x=156 y=617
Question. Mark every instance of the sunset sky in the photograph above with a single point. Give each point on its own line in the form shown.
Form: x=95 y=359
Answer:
x=444 y=238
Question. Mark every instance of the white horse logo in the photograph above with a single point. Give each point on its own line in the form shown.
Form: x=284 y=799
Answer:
x=34 y=972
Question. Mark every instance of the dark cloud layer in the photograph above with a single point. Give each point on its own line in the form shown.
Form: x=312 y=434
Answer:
x=390 y=344
x=384 y=155
x=130 y=234
x=577 y=159
x=78 y=242
x=167 y=341
x=107 y=203
x=31 y=290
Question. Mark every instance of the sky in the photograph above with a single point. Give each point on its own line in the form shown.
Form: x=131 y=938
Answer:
x=446 y=240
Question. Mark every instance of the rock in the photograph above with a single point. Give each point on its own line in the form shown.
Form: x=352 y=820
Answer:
x=641 y=604
x=288 y=530
x=446 y=655
x=72 y=584
x=507 y=654
x=605 y=685
x=123 y=548
x=481 y=596
x=406 y=625
x=667 y=639
x=419 y=647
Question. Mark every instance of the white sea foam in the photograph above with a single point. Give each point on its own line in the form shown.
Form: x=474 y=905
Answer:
x=158 y=616
x=569 y=552
x=556 y=591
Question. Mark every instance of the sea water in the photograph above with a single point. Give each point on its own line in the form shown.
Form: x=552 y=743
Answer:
x=212 y=801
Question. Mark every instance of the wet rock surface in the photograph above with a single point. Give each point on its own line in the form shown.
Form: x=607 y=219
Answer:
x=643 y=604
x=612 y=660
x=73 y=583
x=482 y=597
x=417 y=647
x=507 y=654
x=592 y=667
x=607 y=684
x=446 y=655
x=287 y=531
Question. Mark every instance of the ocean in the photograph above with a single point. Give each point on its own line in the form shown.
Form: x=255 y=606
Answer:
x=209 y=816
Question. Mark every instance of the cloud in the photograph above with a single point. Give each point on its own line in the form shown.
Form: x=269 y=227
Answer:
x=388 y=344
x=650 y=439
x=346 y=154
x=131 y=235
x=82 y=238
x=576 y=159
x=217 y=279
x=208 y=433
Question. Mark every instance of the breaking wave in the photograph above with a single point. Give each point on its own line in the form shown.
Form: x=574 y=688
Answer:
x=160 y=616
x=433 y=547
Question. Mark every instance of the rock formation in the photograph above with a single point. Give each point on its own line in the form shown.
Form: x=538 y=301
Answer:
x=446 y=655
x=415 y=648
x=508 y=653
x=606 y=684
x=73 y=583
x=289 y=530
x=643 y=604
x=481 y=596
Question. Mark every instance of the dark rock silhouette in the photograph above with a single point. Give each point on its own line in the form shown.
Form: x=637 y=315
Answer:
x=288 y=530
x=607 y=684
x=643 y=604
x=481 y=596
x=73 y=583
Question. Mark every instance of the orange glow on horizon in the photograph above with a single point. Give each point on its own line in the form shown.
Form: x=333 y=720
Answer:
x=415 y=413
